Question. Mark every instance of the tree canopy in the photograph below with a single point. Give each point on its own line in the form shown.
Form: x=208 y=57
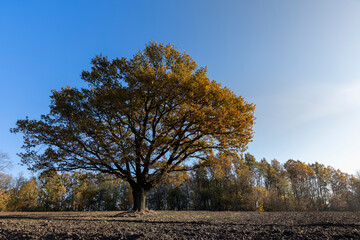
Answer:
x=139 y=119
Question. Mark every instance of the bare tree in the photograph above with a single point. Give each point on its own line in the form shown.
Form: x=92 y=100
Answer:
x=5 y=162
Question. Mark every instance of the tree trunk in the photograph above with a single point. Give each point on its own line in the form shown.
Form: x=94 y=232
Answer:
x=139 y=195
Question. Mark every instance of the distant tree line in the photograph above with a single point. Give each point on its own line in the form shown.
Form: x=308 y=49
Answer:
x=242 y=184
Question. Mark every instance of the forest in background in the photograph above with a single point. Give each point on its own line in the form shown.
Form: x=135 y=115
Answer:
x=241 y=185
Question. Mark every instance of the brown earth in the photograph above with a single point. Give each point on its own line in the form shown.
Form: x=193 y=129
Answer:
x=180 y=225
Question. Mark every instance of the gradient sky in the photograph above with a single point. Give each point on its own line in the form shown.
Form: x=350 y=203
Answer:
x=298 y=61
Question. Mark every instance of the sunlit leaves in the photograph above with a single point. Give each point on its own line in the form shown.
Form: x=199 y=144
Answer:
x=139 y=119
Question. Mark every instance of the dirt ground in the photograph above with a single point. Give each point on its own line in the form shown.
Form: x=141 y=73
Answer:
x=180 y=225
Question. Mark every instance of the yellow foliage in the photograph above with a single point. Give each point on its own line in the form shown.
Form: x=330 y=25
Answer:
x=260 y=194
x=4 y=197
x=222 y=164
x=176 y=178
x=28 y=196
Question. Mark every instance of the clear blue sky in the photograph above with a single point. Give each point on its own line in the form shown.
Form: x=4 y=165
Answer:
x=298 y=61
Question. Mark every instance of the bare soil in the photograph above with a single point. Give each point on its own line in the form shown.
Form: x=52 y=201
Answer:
x=180 y=225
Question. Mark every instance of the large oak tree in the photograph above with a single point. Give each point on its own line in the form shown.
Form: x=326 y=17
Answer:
x=139 y=119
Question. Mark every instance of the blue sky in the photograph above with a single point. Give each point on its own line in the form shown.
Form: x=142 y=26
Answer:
x=298 y=61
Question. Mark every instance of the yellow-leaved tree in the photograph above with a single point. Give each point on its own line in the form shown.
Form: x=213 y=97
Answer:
x=139 y=119
x=28 y=196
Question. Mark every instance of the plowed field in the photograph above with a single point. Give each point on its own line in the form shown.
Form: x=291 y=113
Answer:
x=180 y=225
